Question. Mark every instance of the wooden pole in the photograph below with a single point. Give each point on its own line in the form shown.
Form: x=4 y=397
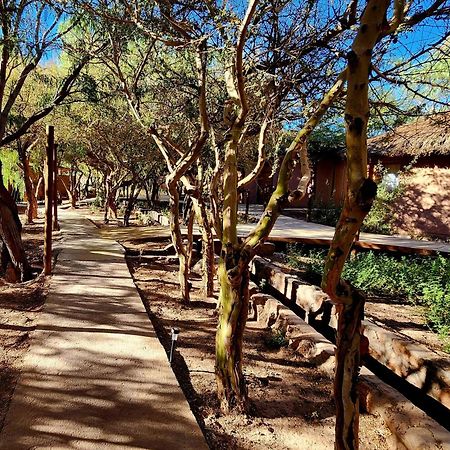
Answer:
x=55 y=188
x=48 y=180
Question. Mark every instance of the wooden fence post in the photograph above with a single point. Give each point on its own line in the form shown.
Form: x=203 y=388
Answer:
x=55 y=188
x=48 y=180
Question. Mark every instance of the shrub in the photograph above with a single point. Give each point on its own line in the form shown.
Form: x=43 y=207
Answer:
x=419 y=280
x=325 y=214
x=381 y=216
x=276 y=339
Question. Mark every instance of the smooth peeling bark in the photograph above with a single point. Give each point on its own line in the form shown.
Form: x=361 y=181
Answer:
x=14 y=258
x=190 y=237
x=233 y=299
x=233 y=312
x=348 y=344
x=10 y=234
x=360 y=194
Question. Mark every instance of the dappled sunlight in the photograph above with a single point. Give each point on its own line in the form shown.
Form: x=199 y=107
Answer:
x=95 y=374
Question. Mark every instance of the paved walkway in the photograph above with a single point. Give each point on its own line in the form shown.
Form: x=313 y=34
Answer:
x=96 y=375
x=295 y=230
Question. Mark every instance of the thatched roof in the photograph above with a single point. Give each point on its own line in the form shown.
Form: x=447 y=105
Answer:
x=425 y=136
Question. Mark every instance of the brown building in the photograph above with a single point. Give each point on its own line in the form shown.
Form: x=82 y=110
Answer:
x=417 y=157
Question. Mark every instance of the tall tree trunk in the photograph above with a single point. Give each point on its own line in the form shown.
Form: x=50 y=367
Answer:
x=147 y=195
x=72 y=200
x=87 y=185
x=107 y=198
x=177 y=240
x=233 y=297
x=233 y=312
x=134 y=192
x=154 y=192
x=190 y=237
x=233 y=268
x=73 y=194
x=359 y=197
x=38 y=186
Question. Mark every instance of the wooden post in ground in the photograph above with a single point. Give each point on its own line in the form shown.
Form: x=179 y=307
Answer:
x=48 y=180
x=55 y=188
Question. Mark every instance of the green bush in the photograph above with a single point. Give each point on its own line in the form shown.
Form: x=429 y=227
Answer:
x=276 y=339
x=381 y=216
x=325 y=214
x=419 y=280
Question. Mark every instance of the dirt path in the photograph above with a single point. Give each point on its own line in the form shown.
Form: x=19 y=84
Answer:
x=95 y=375
x=291 y=398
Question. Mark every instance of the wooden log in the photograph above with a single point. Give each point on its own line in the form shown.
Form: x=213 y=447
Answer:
x=55 y=188
x=48 y=180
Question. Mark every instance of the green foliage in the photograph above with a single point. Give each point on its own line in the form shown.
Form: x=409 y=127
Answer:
x=380 y=218
x=10 y=170
x=382 y=214
x=325 y=214
x=419 y=280
x=276 y=339
x=98 y=202
x=89 y=88
x=327 y=139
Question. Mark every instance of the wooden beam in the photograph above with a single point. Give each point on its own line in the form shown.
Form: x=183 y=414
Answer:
x=48 y=180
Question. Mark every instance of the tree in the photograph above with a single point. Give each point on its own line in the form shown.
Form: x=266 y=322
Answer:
x=278 y=63
x=22 y=50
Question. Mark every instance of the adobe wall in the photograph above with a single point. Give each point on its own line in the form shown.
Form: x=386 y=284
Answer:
x=424 y=207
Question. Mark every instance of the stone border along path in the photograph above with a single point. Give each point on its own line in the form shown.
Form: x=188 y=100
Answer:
x=96 y=375
x=427 y=370
x=411 y=428
x=423 y=368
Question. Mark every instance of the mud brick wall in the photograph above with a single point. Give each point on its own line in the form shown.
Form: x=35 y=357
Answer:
x=423 y=209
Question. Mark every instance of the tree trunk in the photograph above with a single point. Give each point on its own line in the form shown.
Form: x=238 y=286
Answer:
x=87 y=185
x=73 y=194
x=154 y=192
x=233 y=312
x=134 y=192
x=177 y=239
x=32 y=206
x=73 y=198
x=10 y=232
x=112 y=203
x=107 y=198
x=208 y=269
x=359 y=197
x=190 y=237
x=147 y=195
